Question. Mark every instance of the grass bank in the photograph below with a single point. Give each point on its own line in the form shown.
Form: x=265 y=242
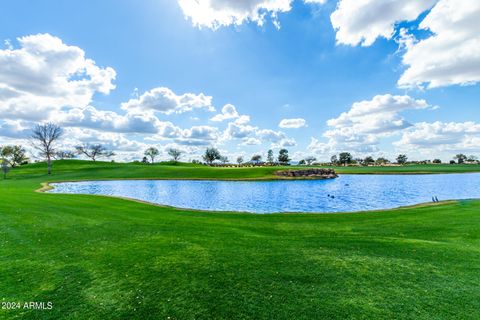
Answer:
x=107 y=258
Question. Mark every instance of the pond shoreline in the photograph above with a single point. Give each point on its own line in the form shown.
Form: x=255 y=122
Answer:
x=281 y=196
x=273 y=178
x=418 y=205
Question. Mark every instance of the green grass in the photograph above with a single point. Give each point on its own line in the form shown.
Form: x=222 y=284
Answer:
x=107 y=258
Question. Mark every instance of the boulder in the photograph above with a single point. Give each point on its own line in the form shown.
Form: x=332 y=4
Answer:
x=309 y=173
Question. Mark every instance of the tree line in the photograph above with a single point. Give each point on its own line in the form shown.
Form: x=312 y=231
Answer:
x=213 y=154
x=345 y=158
x=44 y=139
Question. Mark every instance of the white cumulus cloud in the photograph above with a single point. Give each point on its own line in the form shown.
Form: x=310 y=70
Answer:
x=220 y=13
x=217 y=13
x=166 y=101
x=44 y=74
x=360 y=128
x=228 y=112
x=292 y=123
x=452 y=54
x=440 y=137
x=363 y=21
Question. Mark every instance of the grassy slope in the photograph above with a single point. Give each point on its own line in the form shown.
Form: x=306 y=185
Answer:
x=105 y=258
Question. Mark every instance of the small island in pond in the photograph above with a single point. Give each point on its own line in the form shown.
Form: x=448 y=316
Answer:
x=308 y=173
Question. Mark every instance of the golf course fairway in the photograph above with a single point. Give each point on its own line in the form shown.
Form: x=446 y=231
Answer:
x=95 y=257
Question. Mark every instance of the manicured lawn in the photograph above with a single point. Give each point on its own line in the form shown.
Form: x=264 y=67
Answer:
x=106 y=258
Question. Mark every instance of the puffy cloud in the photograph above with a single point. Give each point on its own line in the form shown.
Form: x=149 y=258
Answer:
x=168 y=130
x=292 y=123
x=243 y=119
x=270 y=135
x=236 y=130
x=228 y=112
x=44 y=75
x=315 y=1
x=166 y=101
x=90 y=117
x=278 y=139
x=194 y=136
x=452 y=54
x=377 y=116
x=199 y=135
x=251 y=135
x=251 y=142
x=286 y=142
x=218 y=13
x=437 y=137
x=47 y=80
x=15 y=129
x=363 y=21
x=360 y=128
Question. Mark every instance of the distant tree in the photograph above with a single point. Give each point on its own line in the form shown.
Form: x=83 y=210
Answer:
x=14 y=155
x=472 y=158
x=345 y=158
x=402 y=159
x=144 y=160
x=44 y=137
x=240 y=160
x=152 y=153
x=63 y=154
x=94 y=151
x=437 y=161
x=452 y=162
x=6 y=154
x=461 y=158
x=283 y=156
x=256 y=158
x=310 y=160
x=175 y=154
x=5 y=168
x=334 y=160
x=270 y=158
x=223 y=159
x=381 y=161
x=211 y=154
x=357 y=161
x=302 y=162
x=368 y=161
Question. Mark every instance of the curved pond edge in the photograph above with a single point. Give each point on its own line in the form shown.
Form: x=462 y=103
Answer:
x=45 y=186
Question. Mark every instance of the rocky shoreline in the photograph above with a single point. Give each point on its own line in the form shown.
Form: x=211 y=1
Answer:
x=308 y=173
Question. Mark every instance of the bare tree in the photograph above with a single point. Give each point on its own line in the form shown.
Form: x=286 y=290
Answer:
x=175 y=154
x=151 y=152
x=240 y=160
x=64 y=154
x=44 y=138
x=223 y=159
x=94 y=151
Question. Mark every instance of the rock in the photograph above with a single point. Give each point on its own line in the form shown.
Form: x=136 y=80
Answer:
x=309 y=173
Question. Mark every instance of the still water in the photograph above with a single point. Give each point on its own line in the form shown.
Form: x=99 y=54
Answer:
x=346 y=193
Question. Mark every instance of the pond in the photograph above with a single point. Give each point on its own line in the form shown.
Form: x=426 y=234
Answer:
x=344 y=194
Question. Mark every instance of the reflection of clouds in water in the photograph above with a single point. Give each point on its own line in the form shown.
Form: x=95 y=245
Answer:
x=346 y=193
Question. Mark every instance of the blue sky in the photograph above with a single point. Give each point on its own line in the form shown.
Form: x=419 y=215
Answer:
x=295 y=65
